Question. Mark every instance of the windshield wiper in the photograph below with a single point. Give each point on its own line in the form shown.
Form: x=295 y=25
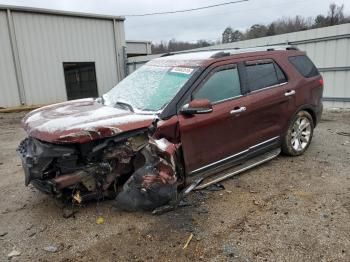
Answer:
x=124 y=104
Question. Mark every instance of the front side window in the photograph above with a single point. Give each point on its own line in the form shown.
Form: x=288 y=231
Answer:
x=304 y=66
x=149 y=88
x=220 y=86
x=264 y=74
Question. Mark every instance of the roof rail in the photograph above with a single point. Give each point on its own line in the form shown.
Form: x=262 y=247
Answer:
x=223 y=52
x=292 y=48
x=220 y=54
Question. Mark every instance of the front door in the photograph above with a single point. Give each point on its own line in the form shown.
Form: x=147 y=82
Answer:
x=211 y=139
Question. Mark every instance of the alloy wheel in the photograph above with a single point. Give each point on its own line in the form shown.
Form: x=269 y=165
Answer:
x=301 y=133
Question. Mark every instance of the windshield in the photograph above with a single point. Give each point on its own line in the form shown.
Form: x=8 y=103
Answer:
x=150 y=88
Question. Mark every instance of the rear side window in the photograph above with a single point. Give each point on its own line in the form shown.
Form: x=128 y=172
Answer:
x=261 y=74
x=221 y=85
x=304 y=66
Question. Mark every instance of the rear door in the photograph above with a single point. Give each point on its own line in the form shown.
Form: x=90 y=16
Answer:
x=209 y=140
x=269 y=97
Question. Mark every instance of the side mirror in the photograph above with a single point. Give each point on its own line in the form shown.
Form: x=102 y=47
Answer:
x=197 y=106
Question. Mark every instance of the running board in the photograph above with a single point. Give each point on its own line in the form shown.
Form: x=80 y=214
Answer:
x=239 y=169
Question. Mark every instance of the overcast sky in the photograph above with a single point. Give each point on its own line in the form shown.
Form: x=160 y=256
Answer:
x=204 y=24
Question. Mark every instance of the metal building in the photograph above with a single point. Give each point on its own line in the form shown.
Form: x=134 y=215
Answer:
x=328 y=47
x=137 y=48
x=50 y=56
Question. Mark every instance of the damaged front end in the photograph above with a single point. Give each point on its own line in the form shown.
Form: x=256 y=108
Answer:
x=134 y=167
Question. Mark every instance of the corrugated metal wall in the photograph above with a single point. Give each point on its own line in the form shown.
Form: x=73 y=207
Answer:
x=328 y=47
x=43 y=41
x=46 y=41
x=138 y=48
x=8 y=83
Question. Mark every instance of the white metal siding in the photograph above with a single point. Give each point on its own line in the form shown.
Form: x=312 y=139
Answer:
x=8 y=83
x=46 y=41
x=119 y=39
x=138 y=48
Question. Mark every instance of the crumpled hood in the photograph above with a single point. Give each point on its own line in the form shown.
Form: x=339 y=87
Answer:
x=81 y=121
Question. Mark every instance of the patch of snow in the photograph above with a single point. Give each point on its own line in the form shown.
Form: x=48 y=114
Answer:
x=148 y=88
x=35 y=116
x=121 y=120
x=77 y=119
x=61 y=104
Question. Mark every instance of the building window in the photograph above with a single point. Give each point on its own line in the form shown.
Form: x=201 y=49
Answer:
x=80 y=80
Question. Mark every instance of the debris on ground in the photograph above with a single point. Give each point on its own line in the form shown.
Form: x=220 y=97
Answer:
x=14 y=253
x=51 y=249
x=2 y=234
x=184 y=204
x=100 y=220
x=343 y=134
x=163 y=209
x=167 y=208
x=258 y=202
x=32 y=234
x=67 y=213
x=228 y=250
x=215 y=187
x=188 y=241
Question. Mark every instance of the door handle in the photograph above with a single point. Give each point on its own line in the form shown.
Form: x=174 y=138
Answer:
x=238 y=110
x=289 y=93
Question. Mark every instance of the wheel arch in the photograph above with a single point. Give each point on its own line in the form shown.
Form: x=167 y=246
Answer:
x=308 y=108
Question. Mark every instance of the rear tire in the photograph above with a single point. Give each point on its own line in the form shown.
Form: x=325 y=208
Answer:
x=299 y=134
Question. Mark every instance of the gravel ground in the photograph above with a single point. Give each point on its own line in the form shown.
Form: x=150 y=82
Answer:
x=289 y=209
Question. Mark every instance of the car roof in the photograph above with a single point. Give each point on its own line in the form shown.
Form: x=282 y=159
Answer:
x=199 y=58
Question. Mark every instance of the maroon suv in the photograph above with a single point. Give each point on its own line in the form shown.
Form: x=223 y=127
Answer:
x=189 y=119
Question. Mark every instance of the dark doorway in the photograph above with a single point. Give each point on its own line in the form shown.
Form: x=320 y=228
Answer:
x=80 y=80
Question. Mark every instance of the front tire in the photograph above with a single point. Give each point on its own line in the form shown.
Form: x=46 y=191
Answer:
x=299 y=134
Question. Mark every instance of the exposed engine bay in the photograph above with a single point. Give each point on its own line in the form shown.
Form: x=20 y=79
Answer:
x=136 y=169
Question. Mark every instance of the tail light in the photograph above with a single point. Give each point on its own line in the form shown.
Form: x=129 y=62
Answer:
x=321 y=82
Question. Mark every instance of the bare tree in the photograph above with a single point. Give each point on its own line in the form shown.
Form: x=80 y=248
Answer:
x=335 y=14
x=237 y=36
x=291 y=24
x=256 y=31
x=173 y=45
x=227 y=35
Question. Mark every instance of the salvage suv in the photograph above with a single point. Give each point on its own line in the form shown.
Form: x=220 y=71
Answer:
x=180 y=122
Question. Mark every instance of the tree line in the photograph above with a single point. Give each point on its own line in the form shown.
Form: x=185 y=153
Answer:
x=335 y=16
x=285 y=25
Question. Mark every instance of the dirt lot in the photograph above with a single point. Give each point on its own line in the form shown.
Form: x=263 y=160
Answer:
x=290 y=209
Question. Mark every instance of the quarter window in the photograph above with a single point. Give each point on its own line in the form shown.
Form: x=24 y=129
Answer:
x=220 y=86
x=264 y=74
x=304 y=66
